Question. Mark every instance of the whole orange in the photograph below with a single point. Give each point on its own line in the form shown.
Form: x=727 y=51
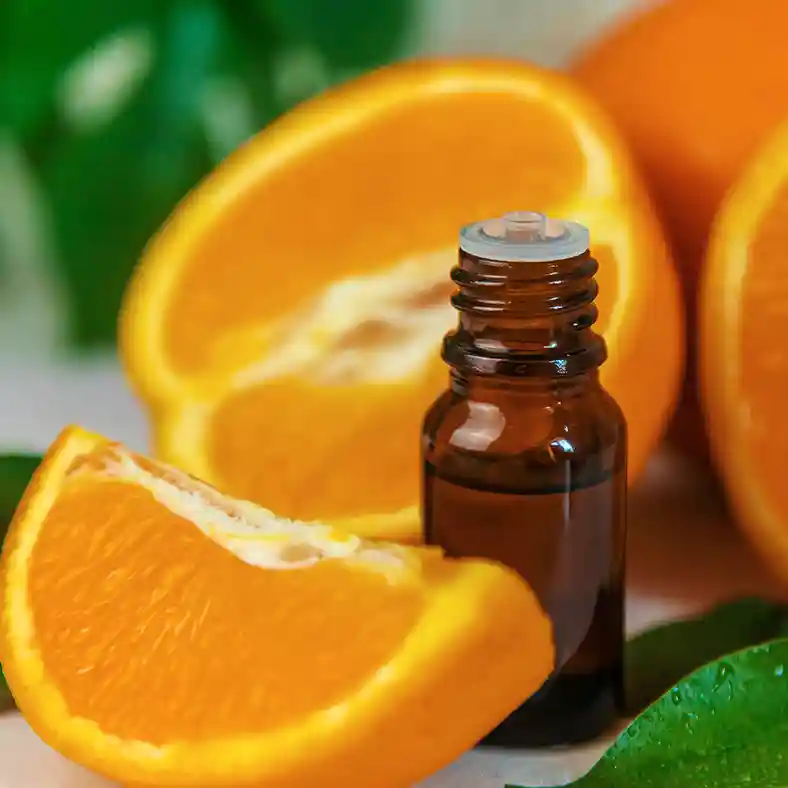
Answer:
x=695 y=86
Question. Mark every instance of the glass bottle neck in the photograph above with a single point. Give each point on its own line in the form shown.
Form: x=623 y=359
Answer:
x=521 y=320
x=483 y=387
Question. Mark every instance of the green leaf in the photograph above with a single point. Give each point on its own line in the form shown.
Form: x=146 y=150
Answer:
x=349 y=34
x=6 y=699
x=107 y=202
x=724 y=726
x=39 y=40
x=658 y=658
x=15 y=473
x=111 y=188
x=110 y=185
x=247 y=62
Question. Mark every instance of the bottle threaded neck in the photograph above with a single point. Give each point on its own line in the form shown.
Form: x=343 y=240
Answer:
x=525 y=319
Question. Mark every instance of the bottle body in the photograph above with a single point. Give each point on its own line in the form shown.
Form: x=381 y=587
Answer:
x=536 y=479
x=524 y=459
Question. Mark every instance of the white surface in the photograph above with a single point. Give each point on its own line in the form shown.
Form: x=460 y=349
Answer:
x=683 y=555
x=39 y=397
x=27 y=763
x=543 y=31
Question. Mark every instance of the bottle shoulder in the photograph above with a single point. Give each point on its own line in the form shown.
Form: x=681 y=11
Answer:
x=539 y=428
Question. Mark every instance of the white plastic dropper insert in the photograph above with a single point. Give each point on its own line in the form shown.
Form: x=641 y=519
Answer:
x=524 y=236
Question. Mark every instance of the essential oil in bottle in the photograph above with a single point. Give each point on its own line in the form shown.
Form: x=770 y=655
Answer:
x=525 y=458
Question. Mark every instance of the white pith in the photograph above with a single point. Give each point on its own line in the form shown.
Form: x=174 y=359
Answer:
x=253 y=534
x=315 y=342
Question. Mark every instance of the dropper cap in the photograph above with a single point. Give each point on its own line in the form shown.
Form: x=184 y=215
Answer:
x=524 y=236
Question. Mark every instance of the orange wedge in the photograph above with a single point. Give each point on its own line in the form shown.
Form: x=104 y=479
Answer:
x=743 y=360
x=289 y=315
x=161 y=633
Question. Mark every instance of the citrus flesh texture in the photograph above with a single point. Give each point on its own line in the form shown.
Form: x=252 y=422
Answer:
x=161 y=633
x=291 y=310
x=743 y=359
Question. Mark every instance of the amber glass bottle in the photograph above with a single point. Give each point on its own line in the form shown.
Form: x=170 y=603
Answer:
x=525 y=458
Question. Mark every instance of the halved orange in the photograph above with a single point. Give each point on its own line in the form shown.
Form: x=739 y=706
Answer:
x=743 y=350
x=161 y=633
x=289 y=315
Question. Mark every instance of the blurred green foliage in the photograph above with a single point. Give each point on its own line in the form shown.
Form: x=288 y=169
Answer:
x=120 y=107
x=16 y=470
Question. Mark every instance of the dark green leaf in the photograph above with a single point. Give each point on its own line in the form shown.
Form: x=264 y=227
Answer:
x=658 y=658
x=15 y=473
x=40 y=39
x=247 y=61
x=107 y=203
x=110 y=189
x=349 y=34
x=6 y=700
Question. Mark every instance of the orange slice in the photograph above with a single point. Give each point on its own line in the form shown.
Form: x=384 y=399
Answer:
x=289 y=315
x=161 y=633
x=743 y=360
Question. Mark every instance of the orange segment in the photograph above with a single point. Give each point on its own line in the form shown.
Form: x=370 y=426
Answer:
x=293 y=306
x=163 y=634
x=344 y=612
x=340 y=425
x=744 y=366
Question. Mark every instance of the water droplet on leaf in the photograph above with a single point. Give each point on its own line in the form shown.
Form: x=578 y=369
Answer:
x=724 y=672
